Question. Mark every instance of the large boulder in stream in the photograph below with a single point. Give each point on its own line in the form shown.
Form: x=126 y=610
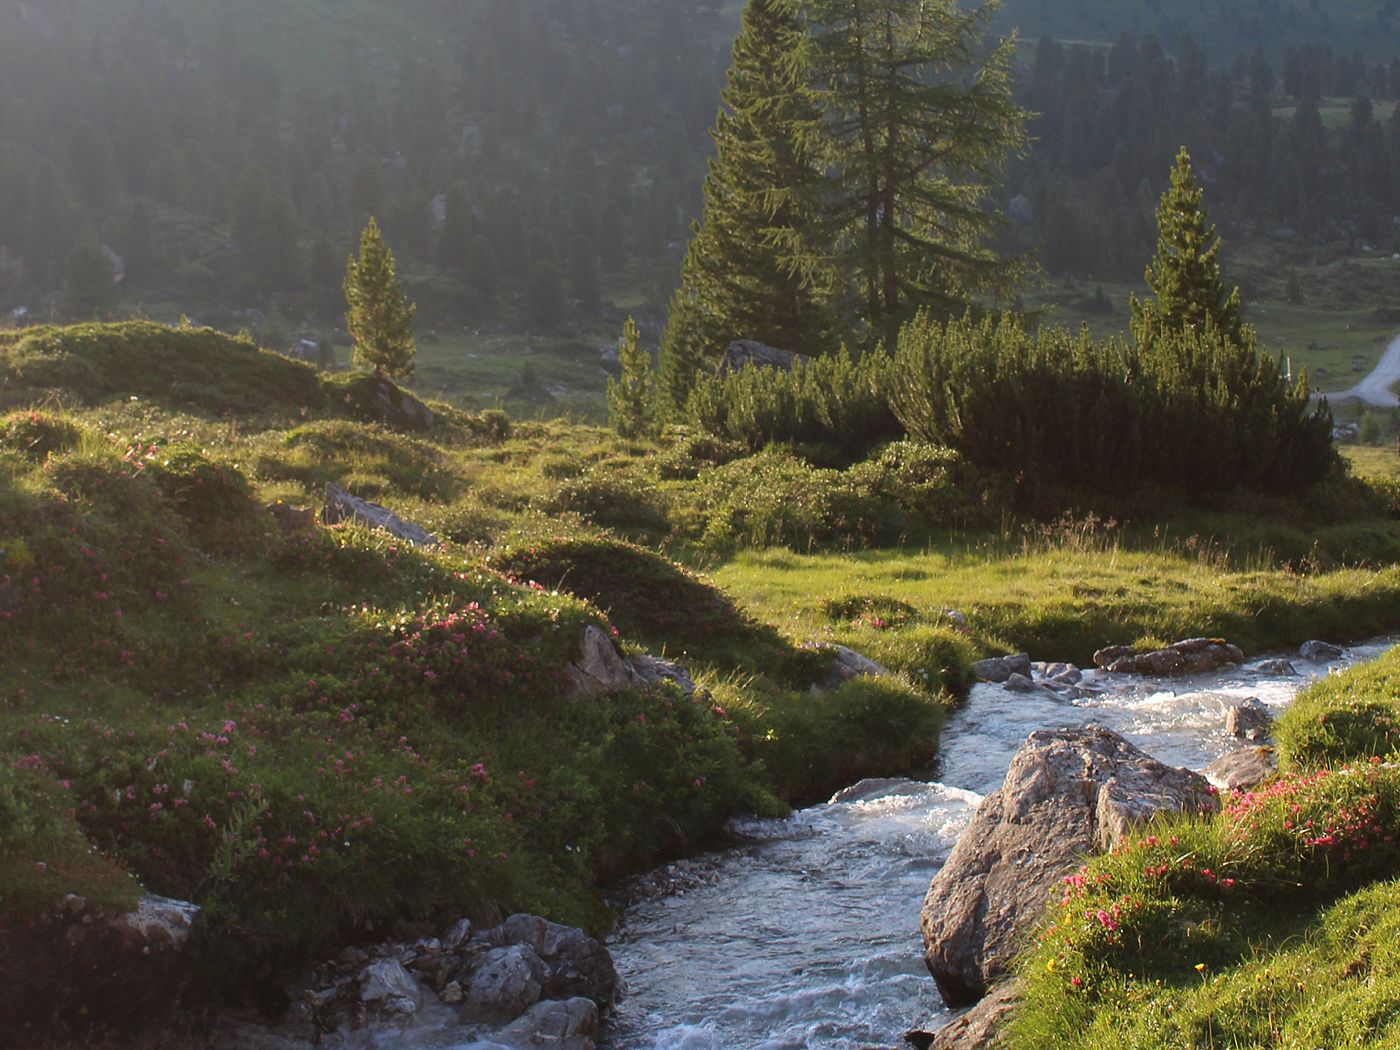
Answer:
x=1192 y=656
x=1068 y=793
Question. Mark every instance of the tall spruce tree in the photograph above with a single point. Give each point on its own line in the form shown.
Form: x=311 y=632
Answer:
x=756 y=267
x=378 y=315
x=919 y=122
x=1184 y=277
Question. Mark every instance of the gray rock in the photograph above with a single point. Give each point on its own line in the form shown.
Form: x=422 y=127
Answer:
x=569 y=1024
x=457 y=935
x=575 y=963
x=1281 y=667
x=1249 y=720
x=847 y=664
x=743 y=353
x=341 y=506
x=1243 y=769
x=1019 y=683
x=389 y=989
x=600 y=668
x=1192 y=656
x=452 y=993
x=505 y=982
x=655 y=671
x=1320 y=652
x=82 y=976
x=397 y=406
x=1067 y=793
x=1000 y=668
x=979 y=1027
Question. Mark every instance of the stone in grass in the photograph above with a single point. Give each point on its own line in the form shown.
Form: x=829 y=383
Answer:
x=341 y=506
x=1067 y=793
x=1243 y=769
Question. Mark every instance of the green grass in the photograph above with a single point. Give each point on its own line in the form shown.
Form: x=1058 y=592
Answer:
x=1272 y=924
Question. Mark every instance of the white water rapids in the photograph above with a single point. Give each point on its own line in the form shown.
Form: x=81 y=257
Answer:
x=807 y=934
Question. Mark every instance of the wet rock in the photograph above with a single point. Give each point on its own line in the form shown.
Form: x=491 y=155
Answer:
x=576 y=964
x=846 y=664
x=999 y=668
x=1242 y=770
x=981 y=1026
x=1320 y=652
x=505 y=982
x=1249 y=720
x=341 y=506
x=1279 y=667
x=569 y=1024
x=1192 y=656
x=1019 y=683
x=1067 y=793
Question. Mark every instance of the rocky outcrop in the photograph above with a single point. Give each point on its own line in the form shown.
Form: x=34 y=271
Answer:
x=341 y=506
x=400 y=408
x=601 y=668
x=1067 y=793
x=1243 y=769
x=536 y=982
x=979 y=1027
x=1320 y=652
x=999 y=668
x=84 y=976
x=1250 y=720
x=744 y=353
x=1192 y=656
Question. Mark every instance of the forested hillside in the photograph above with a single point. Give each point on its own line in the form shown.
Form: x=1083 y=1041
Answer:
x=537 y=163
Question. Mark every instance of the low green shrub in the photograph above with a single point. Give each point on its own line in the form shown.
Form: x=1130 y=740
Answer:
x=811 y=745
x=214 y=499
x=38 y=435
x=840 y=401
x=380 y=462
x=605 y=496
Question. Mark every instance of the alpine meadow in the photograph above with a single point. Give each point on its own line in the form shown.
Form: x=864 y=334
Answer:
x=699 y=524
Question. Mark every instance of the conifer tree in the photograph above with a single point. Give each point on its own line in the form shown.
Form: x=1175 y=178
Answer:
x=378 y=315
x=630 y=396
x=756 y=265
x=1184 y=276
x=919 y=122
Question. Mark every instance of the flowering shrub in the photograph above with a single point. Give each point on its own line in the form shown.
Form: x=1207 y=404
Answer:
x=1187 y=897
x=38 y=435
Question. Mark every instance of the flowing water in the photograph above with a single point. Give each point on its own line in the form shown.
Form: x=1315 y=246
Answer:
x=806 y=934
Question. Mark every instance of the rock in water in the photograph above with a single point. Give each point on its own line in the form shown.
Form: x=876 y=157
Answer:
x=341 y=506
x=1067 y=793
x=978 y=1028
x=1192 y=656
x=1249 y=720
x=569 y=1024
x=1320 y=652
x=1000 y=668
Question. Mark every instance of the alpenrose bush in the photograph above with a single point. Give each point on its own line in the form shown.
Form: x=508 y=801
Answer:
x=1194 y=893
x=434 y=764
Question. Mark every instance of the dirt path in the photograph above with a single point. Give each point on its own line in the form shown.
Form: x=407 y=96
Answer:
x=1375 y=388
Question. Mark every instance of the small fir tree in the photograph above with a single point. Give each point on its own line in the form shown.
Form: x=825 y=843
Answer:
x=630 y=395
x=378 y=315
x=1185 y=280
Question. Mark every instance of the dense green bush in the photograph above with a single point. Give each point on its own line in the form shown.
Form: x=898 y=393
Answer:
x=608 y=497
x=1191 y=410
x=368 y=458
x=839 y=401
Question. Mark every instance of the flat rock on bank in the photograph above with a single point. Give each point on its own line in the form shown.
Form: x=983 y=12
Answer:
x=1067 y=794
